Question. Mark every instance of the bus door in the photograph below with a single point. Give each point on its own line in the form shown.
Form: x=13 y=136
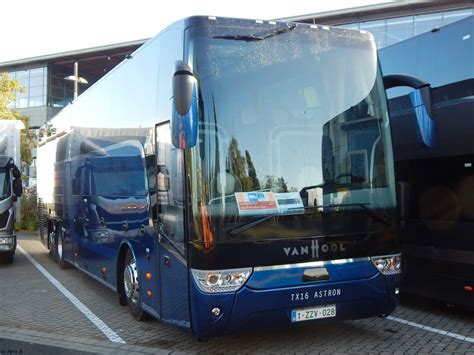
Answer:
x=170 y=199
x=80 y=186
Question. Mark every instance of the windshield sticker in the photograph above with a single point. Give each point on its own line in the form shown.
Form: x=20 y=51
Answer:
x=256 y=203
x=289 y=202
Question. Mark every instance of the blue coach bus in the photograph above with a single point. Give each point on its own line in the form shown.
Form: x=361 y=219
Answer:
x=230 y=174
x=434 y=156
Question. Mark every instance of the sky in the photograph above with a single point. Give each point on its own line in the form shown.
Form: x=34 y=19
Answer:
x=31 y=28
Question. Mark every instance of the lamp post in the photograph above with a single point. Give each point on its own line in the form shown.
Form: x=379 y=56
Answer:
x=77 y=79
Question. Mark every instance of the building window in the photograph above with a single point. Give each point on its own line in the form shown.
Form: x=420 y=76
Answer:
x=390 y=31
x=399 y=29
x=34 y=81
x=378 y=30
x=452 y=16
x=425 y=23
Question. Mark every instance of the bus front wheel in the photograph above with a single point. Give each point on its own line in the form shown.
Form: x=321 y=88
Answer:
x=59 y=248
x=131 y=287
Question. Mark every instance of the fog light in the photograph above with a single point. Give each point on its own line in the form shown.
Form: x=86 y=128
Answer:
x=397 y=291
x=216 y=311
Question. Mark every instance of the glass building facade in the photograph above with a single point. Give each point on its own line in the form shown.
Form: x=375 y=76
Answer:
x=390 y=31
x=45 y=86
x=35 y=82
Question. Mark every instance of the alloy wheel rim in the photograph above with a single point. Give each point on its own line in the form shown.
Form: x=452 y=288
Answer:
x=60 y=247
x=130 y=281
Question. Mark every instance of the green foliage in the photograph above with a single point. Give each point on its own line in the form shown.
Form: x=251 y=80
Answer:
x=276 y=184
x=28 y=220
x=9 y=88
x=252 y=172
x=242 y=167
x=238 y=165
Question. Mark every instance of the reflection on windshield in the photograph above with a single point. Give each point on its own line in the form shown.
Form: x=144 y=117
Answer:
x=4 y=184
x=293 y=122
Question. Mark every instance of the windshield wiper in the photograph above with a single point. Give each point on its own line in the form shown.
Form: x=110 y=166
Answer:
x=308 y=210
x=369 y=212
x=258 y=37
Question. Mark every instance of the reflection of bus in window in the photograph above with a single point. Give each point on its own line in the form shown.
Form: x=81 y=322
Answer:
x=269 y=190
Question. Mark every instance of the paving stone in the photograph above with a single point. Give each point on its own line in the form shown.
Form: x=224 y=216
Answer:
x=32 y=308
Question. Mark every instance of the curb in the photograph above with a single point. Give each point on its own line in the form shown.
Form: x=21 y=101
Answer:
x=15 y=341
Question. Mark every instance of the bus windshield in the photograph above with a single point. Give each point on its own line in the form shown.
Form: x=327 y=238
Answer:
x=4 y=184
x=293 y=125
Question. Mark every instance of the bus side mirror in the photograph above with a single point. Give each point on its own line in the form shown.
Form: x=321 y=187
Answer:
x=17 y=187
x=184 y=120
x=421 y=102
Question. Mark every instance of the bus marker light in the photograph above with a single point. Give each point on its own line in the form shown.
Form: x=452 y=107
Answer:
x=397 y=291
x=75 y=254
x=216 y=311
x=104 y=270
x=149 y=294
x=468 y=288
x=148 y=276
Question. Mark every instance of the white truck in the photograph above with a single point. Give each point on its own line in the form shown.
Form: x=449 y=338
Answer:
x=10 y=186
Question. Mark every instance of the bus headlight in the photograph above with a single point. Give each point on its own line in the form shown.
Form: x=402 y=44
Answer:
x=213 y=281
x=7 y=240
x=388 y=265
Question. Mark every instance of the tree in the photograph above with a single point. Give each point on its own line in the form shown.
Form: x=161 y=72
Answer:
x=276 y=184
x=9 y=88
x=252 y=172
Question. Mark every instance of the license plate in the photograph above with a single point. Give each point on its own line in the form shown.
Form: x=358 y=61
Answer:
x=300 y=315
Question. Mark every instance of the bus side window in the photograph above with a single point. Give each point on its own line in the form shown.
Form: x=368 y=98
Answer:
x=169 y=185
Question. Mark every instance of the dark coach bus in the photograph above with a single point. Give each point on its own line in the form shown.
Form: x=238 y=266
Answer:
x=230 y=174
x=434 y=161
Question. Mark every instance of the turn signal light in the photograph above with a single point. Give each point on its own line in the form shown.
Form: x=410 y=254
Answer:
x=468 y=288
x=148 y=276
x=149 y=294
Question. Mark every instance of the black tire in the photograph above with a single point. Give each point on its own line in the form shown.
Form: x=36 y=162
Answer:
x=7 y=258
x=59 y=249
x=131 y=289
x=51 y=244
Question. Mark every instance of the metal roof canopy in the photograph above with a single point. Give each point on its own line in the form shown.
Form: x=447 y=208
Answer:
x=94 y=61
x=380 y=11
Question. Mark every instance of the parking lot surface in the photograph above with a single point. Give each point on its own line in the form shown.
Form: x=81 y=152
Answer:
x=34 y=310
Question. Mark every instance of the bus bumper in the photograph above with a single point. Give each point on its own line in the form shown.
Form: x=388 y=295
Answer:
x=255 y=308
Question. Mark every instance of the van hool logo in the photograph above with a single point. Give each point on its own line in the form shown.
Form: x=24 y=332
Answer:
x=315 y=249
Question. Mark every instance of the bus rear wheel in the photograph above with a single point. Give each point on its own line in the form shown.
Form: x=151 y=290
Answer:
x=131 y=287
x=51 y=244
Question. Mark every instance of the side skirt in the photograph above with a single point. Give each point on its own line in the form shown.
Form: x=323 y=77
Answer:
x=113 y=288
